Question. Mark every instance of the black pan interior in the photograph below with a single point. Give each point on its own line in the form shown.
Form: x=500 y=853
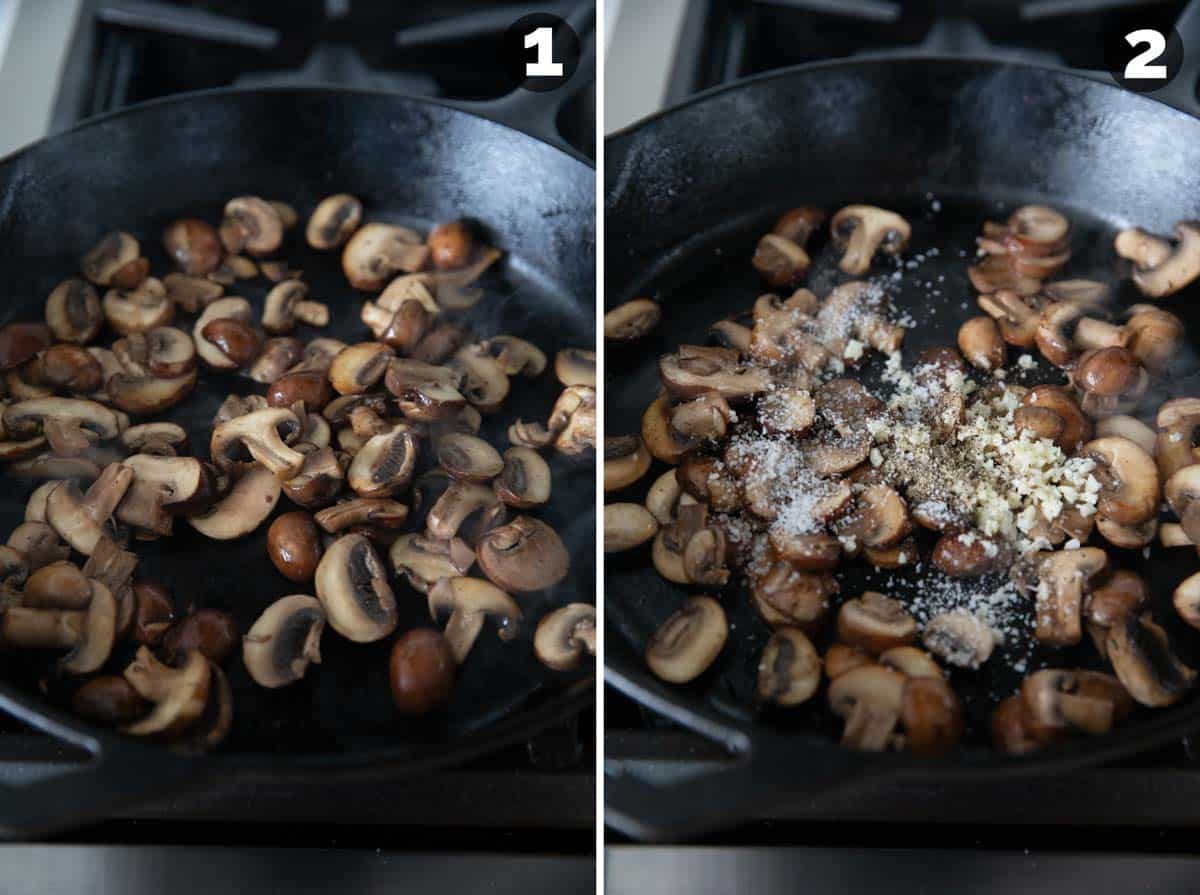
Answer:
x=411 y=162
x=949 y=144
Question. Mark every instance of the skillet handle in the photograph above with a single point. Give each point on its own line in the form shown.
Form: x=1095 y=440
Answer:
x=767 y=771
x=117 y=773
x=536 y=113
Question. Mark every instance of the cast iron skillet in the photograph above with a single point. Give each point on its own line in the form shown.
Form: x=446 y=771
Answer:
x=949 y=143
x=411 y=161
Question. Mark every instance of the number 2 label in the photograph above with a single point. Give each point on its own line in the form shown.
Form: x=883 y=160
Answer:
x=545 y=66
x=1137 y=68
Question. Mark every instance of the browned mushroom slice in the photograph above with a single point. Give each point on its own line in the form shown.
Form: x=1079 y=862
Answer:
x=248 y=503
x=73 y=312
x=81 y=519
x=1087 y=701
x=376 y=252
x=875 y=623
x=632 y=320
x=627 y=525
x=179 y=694
x=284 y=641
x=834 y=456
x=385 y=463
x=223 y=309
x=145 y=395
x=1063 y=578
x=20 y=341
x=523 y=556
x=565 y=636
x=362 y=513
x=1142 y=658
x=351 y=583
x=1128 y=477
x=1016 y=315
x=459 y=502
x=688 y=642
x=193 y=245
x=932 y=717
x=258 y=435
x=780 y=261
x=865 y=229
x=810 y=552
x=702 y=418
x=255 y=223
x=1181 y=491
x=879 y=518
x=115 y=261
x=192 y=294
x=1161 y=269
x=908 y=660
x=785 y=595
x=789 y=669
x=332 y=222
x=840 y=658
x=959 y=638
x=470 y=602
x=981 y=344
x=424 y=561
x=870 y=699
x=138 y=310
x=659 y=436
x=286 y=304
x=468 y=457
x=519 y=357
x=693 y=370
x=995 y=273
x=524 y=481
x=575 y=366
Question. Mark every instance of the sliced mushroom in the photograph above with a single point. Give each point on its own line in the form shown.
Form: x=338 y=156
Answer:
x=840 y=658
x=1087 y=701
x=286 y=303
x=319 y=480
x=959 y=638
x=384 y=465
x=377 y=252
x=284 y=641
x=258 y=434
x=632 y=320
x=786 y=596
x=981 y=344
x=231 y=308
x=1129 y=479
x=879 y=518
x=138 y=310
x=424 y=561
x=332 y=222
x=1141 y=657
x=693 y=370
x=362 y=514
x=254 y=223
x=73 y=312
x=789 y=669
x=627 y=525
x=865 y=229
x=1161 y=276
x=524 y=480
x=144 y=395
x=115 y=261
x=932 y=717
x=908 y=660
x=1016 y=315
x=1186 y=599
x=193 y=245
x=468 y=457
x=88 y=633
x=1063 y=579
x=1077 y=428
x=469 y=603
x=81 y=519
x=689 y=641
x=484 y=382
x=248 y=503
x=780 y=261
x=564 y=636
x=876 y=623
x=38 y=544
x=179 y=694
x=352 y=585
x=870 y=699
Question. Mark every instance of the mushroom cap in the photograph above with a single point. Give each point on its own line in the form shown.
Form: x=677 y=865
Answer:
x=73 y=311
x=525 y=480
x=959 y=637
x=789 y=670
x=467 y=456
x=1181 y=491
x=229 y=308
x=111 y=259
x=564 y=636
x=980 y=342
x=688 y=642
x=875 y=623
x=257 y=223
x=870 y=698
x=1141 y=656
x=909 y=661
x=932 y=716
x=249 y=502
x=284 y=640
x=352 y=585
x=98 y=635
x=632 y=320
x=180 y=694
x=470 y=602
x=523 y=556
x=865 y=229
x=627 y=525
x=376 y=252
x=1186 y=599
x=575 y=366
x=58 y=585
x=332 y=222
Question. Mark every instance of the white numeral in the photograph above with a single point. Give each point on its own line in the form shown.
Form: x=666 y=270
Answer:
x=1137 y=68
x=545 y=67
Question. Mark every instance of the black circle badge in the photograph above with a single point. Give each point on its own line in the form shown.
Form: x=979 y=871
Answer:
x=540 y=52
x=1144 y=59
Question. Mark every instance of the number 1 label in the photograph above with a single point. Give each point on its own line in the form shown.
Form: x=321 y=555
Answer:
x=545 y=66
